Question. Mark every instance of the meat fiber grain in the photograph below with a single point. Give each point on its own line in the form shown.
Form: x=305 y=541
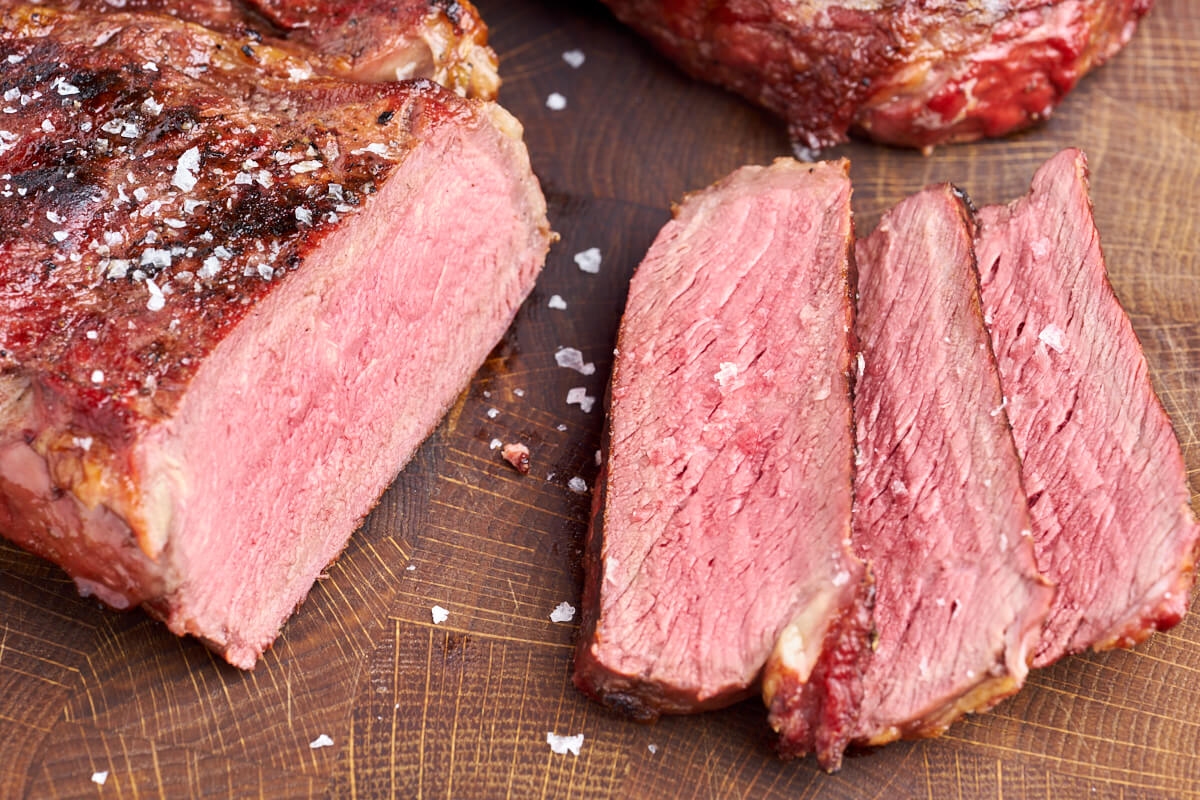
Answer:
x=1107 y=485
x=721 y=519
x=939 y=508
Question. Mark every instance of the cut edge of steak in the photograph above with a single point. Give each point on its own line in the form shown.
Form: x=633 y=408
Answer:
x=940 y=510
x=1107 y=483
x=705 y=388
x=210 y=330
x=907 y=73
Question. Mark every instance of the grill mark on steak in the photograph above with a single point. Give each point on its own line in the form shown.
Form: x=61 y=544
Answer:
x=906 y=72
x=1105 y=475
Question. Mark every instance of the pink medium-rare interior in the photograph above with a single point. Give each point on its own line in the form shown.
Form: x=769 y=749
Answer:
x=1104 y=472
x=307 y=411
x=729 y=467
x=939 y=508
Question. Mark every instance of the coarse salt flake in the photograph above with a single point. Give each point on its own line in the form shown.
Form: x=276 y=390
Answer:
x=492 y=413
x=579 y=396
x=556 y=102
x=304 y=215
x=47 y=125
x=53 y=216
x=101 y=777
x=589 y=260
x=563 y=612
x=306 y=166
x=185 y=169
x=574 y=58
x=557 y=302
x=209 y=268
x=495 y=444
x=60 y=236
x=571 y=358
x=97 y=376
x=15 y=59
x=577 y=485
x=841 y=578
x=726 y=373
x=93 y=335
x=561 y=745
x=155 y=257
x=439 y=614
x=323 y=740
x=150 y=65
x=64 y=88
x=265 y=272
x=175 y=223
x=1054 y=337
x=156 y=301
x=152 y=106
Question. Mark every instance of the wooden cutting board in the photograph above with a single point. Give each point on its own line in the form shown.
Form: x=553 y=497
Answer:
x=462 y=709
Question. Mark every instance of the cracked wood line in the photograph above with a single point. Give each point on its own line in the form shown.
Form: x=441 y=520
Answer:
x=460 y=710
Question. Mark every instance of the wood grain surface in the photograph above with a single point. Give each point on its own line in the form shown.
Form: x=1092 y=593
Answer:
x=461 y=709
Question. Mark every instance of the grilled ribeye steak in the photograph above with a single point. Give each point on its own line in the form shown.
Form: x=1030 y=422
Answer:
x=1107 y=485
x=940 y=512
x=232 y=304
x=908 y=72
x=368 y=40
x=722 y=520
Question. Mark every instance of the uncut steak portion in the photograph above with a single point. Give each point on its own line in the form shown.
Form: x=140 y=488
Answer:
x=940 y=512
x=722 y=519
x=1107 y=485
x=231 y=306
x=368 y=40
x=909 y=72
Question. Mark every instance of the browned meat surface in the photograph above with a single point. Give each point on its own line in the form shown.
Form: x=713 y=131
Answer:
x=909 y=72
x=1106 y=480
x=232 y=303
x=722 y=519
x=940 y=512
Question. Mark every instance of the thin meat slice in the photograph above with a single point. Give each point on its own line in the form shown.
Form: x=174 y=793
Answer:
x=1107 y=485
x=722 y=519
x=940 y=513
x=232 y=304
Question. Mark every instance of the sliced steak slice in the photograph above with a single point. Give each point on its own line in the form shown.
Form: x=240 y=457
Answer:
x=722 y=519
x=908 y=72
x=367 y=40
x=940 y=513
x=231 y=306
x=1107 y=485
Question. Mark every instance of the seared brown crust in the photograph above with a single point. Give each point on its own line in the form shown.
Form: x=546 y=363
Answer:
x=908 y=72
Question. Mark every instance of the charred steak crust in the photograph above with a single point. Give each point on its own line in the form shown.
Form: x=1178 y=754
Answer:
x=180 y=223
x=1107 y=484
x=909 y=72
x=364 y=40
x=939 y=508
x=649 y=644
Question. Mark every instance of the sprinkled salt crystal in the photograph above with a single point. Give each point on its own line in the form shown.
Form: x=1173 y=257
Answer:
x=130 y=130
x=97 y=376
x=117 y=267
x=495 y=444
x=93 y=335
x=185 y=169
x=53 y=216
x=571 y=358
x=440 y=615
x=263 y=179
x=140 y=194
x=519 y=392
x=841 y=578
x=175 y=223
x=557 y=302
x=82 y=442
x=653 y=748
x=220 y=251
x=574 y=58
x=150 y=65
x=556 y=102
x=101 y=777
x=155 y=257
x=560 y=427
x=1053 y=337
x=301 y=73
x=47 y=125
x=64 y=89
x=561 y=745
x=898 y=487
x=156 y=301
x=577 y=485
x=995 y=412
x=243 y=179
x=411 y=568
x=589 y=260
x=152 y=106
x=492 y=413
x=727 y=372
x=209 y=268
x=579 y=396
x=304 y=215
x=321 y=741
x=15 y=59
x=563 y=612
x=378 y=148
x=60 y=236
x=306 y=166
x=550 y=475
x=265 y=272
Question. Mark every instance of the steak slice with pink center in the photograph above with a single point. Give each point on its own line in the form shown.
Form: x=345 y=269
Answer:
x=940 y=512
x=1107 y=485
